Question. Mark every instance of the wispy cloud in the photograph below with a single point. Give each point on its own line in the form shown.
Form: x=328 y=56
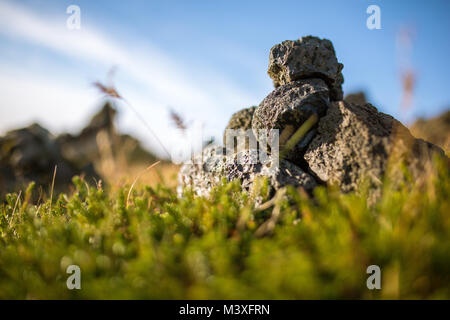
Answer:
x=29 y=98
x=206 y=94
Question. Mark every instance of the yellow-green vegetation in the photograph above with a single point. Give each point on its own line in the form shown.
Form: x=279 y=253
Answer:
x=158 y=246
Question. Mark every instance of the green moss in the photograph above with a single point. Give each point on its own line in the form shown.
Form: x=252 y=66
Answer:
x=161 y=246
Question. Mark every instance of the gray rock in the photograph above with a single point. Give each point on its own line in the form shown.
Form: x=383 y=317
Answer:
x=203 y=172
x=352 y=143
x=307 y=57
x=243 y=166
x=355 y=142
x=287 y=108
x=242 y=121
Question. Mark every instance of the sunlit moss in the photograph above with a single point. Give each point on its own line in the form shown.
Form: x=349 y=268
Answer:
x=161 y=246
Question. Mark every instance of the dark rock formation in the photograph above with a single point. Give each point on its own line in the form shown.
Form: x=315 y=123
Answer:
x=31 y=154
x=100 y=139
x=288 y=107
x=436 y=130
x=358 y=98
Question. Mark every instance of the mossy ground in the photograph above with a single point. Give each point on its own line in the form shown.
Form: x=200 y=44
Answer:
x=159 y=246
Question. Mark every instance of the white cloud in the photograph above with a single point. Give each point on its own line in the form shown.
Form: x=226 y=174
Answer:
x=32 y=98
x=205 y=95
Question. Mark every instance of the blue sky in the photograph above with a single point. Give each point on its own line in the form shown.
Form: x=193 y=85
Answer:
x=205 y=59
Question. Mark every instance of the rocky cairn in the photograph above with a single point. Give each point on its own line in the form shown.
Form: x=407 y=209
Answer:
x=348 y=144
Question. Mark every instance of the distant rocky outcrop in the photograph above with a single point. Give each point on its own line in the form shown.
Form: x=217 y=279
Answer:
x=436 y=130
x=350 y=143
x=358 y=98
x=100 y=140
x=31 y=153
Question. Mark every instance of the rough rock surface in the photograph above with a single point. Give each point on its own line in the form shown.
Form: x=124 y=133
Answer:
x=336 y=92
x=288 y=107
x=241 y=120
x=355 y=142
x=244 y=166
x=204 y=172
x=307 y=57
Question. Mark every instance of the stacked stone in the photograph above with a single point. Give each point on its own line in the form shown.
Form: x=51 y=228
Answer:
x=306 y=58
x=207 y=169
x=350 y=143
x=307 y=76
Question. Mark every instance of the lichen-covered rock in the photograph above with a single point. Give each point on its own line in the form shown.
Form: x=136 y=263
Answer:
x=246 y=167
x=203 y=172
x=243 y=166
x=242 y=121
x=287 y=108
x=355 y=142
x=307 y=57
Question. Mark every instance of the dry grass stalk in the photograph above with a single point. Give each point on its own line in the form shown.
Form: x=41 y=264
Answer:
x=15 y=206
x=111 y=92
x=137 y=178
x=178 y=120
x=267 y=227
x=51 y=190
x=299 y=134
